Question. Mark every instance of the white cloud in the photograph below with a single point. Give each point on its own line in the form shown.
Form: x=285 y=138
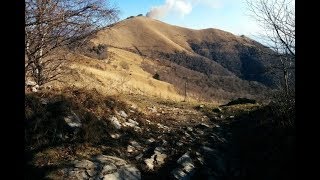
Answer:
x=181 y=7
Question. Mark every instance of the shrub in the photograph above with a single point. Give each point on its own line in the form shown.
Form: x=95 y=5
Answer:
x=283 y=107
x=241 y=101
x=156 y=76
x=130 y=17
x=98 y=52
x=95 y=131
x=44 y=123
x=124 y=65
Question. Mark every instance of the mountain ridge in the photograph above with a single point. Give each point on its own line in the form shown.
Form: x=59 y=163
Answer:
x=203 y=65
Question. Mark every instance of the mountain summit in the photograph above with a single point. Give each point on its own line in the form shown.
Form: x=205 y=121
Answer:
x=148 y=56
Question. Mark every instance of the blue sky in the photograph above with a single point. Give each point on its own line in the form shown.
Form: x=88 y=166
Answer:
x=228 y=15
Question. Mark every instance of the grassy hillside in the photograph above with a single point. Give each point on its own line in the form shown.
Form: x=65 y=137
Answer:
x=210 y=59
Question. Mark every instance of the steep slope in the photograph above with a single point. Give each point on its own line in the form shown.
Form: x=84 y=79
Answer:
x=120 y=73
x=195 y=65
x=240 y=55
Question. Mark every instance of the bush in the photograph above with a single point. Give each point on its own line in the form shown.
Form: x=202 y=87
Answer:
x=98 y=52
x=241 y=101
x=156 y=76
x=140 y=14
x=44 y=123
x=283 y=107
x=95 y=131
x=130 y=17
x=124 y=65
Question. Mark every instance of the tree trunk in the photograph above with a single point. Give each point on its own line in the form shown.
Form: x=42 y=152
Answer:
x=286 y=85
x=185 y=91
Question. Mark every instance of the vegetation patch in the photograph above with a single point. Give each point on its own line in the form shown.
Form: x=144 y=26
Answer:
x=241 y=101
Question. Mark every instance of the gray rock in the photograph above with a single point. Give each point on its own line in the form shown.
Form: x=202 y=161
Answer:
x=150 y=162
x=44 y=101
x=179 y=174
x=208 y=149
x=164 y=142
x=129 y=172
x=115 y=135
x=201 y=160
x=160 y=158
x=150 y=140
x=111 y=159
x=108 y=169
x=157 y=158
x=114 y=121
x=85 y=164
x=189 y=168
x=103 y=167
x=77 y=175
x=113 y=176
x=129 y=124
x=205 y=125
x=139 y=157
x=123 y=114
x=134 y=106
x=200 y=132
x=117 y=168
x=189 y=129
x=185 y=160
x=135 y=144
x=35 y=88
x=130 y=149
x=159 y=150
x=179 y=143
x=186 y=168
x=73 y=120
x=133 y=122
x=153 y=109
x=91 y=172
x=137 y=129
x=187 y=134
x=30 y=83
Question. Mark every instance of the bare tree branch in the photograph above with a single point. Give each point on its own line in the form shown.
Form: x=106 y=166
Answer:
x=277 y=18
x=52 y=24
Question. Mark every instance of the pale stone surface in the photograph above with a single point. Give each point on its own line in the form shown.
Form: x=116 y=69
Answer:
x=123 y=114
x=158 y=158
x=115 y=135
x=102 y=167
x=115 y=122
x=84 y=164
x=133 y=122
x=130 y=149
x=73 y=120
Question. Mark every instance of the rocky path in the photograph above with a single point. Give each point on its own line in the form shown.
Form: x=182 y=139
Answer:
x=169 y=143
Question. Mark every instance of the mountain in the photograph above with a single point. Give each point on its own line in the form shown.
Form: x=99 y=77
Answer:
x=208 y=64
x=240 y=55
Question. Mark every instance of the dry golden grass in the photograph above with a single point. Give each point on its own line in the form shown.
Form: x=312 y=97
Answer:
x=112 y=78
x=148 y=34
x=121 y=73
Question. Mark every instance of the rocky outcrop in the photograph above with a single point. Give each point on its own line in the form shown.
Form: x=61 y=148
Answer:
x=101 y=167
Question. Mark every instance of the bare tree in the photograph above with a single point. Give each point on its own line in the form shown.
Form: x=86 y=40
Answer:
x=54 y=24
x=277 y=18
